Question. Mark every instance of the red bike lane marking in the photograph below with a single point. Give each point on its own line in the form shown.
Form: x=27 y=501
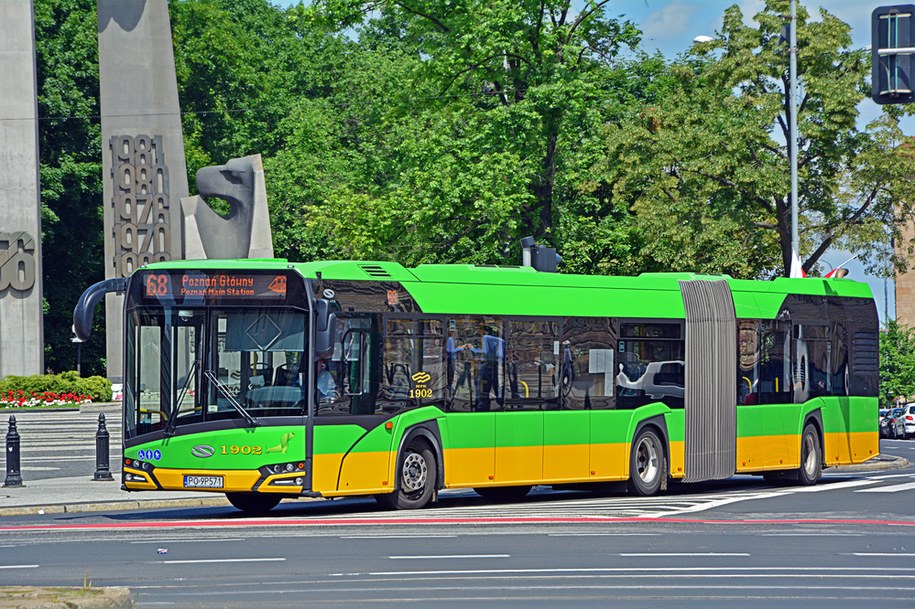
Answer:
x=340 y=522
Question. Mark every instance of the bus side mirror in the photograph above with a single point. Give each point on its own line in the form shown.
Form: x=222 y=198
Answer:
x=325 y=327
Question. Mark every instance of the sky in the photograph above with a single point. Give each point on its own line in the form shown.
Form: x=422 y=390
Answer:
x=670 y=27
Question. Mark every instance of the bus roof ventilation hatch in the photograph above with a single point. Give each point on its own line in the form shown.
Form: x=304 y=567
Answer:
x=374 y=270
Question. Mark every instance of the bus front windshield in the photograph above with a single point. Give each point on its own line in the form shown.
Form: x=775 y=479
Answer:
x=191 y=365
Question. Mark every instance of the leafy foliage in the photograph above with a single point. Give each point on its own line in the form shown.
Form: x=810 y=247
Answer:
x=443 y=131
x=707 y=166
x=69 y=135
x=897 y=362
x=97 y=387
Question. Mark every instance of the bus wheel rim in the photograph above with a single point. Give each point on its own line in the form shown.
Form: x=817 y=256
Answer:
x=647 y=460
x=810 y=462
x=415 y=472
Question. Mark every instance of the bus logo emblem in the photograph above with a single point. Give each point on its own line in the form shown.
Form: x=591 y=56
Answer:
x=203 y=451
x=421 y=377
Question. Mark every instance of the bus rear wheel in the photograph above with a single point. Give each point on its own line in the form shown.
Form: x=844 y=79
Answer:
x=253 y=503
x=416 y=471
x=646 y=464
x=811 y=458
x=502 y=493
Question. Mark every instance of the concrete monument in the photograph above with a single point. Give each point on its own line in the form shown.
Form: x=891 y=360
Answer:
x=145 y=174
x=21 y=330
x=243 y=232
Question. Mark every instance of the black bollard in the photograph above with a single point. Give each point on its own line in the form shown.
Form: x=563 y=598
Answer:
x=13 y=476
x=102 y=470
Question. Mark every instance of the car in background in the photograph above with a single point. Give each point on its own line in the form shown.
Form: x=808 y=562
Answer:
x=895 y=424
x=883 y=422
x=908 y=421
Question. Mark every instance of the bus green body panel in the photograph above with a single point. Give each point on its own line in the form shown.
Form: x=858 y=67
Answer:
x=234 y=455
x=247 y=448
x=509 y=446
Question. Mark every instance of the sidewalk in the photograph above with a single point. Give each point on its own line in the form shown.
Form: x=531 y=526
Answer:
x=71 y=493
x=83 y=494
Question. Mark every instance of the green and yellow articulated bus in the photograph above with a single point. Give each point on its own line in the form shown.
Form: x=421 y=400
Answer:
x=265 y=379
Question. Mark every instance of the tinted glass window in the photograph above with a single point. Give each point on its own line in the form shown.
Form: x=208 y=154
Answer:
x=812 y=361
x=773 y=385
x=586 y=361
x=532 y=369
x=474 y=353
x=651 y=366
x=347 y=382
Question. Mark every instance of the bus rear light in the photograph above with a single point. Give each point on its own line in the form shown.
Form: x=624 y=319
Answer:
x=128 y=461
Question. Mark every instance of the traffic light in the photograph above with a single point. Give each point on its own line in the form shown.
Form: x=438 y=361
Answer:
x=892 y=48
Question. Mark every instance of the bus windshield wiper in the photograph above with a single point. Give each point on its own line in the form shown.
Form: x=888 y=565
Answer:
x=252 y=421
x=176 y=408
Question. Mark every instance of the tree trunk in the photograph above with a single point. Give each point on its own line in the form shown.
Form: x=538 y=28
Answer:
x=543 y=191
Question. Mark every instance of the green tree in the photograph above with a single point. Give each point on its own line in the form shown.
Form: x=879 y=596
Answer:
x=70 y=157
x=707 y=168
x=485 y=131
x=897 y=362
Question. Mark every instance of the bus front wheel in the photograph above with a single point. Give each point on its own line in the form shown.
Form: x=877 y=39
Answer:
x=646 y=464
x=416 y=471
x=253 y=503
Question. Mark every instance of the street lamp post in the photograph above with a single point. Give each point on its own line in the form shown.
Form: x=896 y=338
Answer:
x=792 y=108
x=76 y=341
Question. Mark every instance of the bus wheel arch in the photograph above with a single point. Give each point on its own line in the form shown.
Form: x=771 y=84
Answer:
x=418 y=473
x=648 y=458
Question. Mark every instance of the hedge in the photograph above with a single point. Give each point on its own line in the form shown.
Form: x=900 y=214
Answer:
x=97 y=387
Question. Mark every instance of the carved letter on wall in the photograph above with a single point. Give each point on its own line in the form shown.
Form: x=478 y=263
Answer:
x=17 y=261
x=140 y=202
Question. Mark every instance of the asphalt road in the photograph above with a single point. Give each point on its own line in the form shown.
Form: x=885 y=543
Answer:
x=847 y=542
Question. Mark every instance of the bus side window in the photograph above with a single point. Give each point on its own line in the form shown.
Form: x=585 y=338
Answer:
x=749 y=345
x=586 y=360
x=775 y=363
x=531 y=366
x=651 y=365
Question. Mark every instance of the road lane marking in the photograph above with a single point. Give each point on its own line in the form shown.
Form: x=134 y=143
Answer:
x=825 y=534
x=396 y=536
x=889 y=489
x=161 y=541
x=668 y=571
x=19 y=566
x=215 y=560
x=428 y=557
x=689 y=554
x=882 y=554
x=603 y=535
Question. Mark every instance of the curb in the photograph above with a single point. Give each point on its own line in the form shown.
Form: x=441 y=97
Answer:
x=878 y=463
x=34 y=597
x=121 y=505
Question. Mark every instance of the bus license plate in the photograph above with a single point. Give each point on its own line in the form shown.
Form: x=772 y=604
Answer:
x=203 y=482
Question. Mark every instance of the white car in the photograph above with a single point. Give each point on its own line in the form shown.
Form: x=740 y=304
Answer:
x=908 y=416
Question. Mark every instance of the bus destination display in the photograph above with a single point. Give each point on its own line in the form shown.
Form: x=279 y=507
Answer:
x=199 y=286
